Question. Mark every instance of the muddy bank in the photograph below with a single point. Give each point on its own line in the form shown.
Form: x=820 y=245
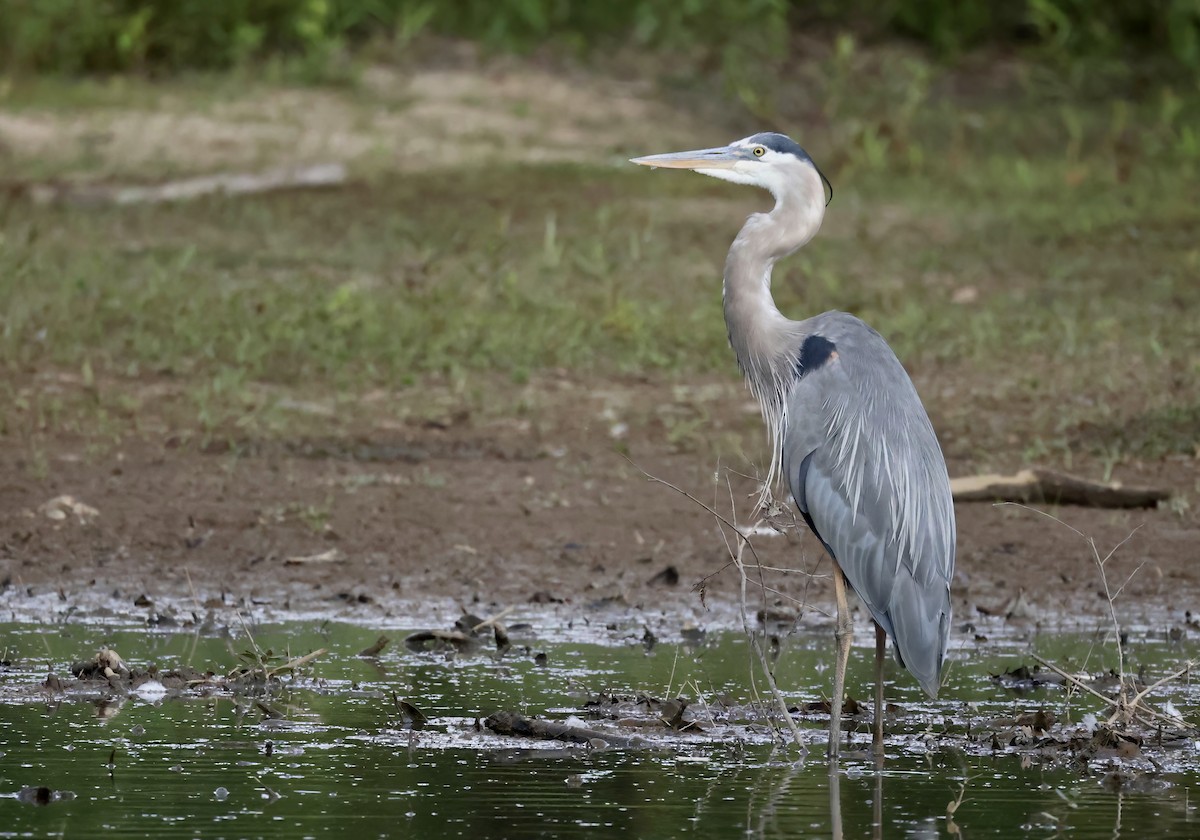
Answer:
x=370 y=527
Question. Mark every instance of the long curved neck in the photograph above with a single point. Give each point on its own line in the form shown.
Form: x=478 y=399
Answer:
x=758 y=332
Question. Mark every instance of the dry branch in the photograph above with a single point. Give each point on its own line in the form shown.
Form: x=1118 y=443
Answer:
x=1038 y=485
x=330 y=556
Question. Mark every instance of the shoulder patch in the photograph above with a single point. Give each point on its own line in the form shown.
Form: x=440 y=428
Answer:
x=815 y=352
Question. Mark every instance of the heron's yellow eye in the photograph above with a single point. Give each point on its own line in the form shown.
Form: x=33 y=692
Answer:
x=759 y=151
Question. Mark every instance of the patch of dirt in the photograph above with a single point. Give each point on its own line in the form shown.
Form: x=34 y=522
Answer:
x=503 y=513
x=399 y=121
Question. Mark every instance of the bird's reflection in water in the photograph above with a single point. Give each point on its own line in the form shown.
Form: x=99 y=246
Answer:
x=877 y=804
x=761 y=816
x=835 y=801
x=778 y=791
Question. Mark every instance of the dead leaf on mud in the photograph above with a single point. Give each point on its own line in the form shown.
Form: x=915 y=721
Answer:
x=61 y=507
x=333 y=555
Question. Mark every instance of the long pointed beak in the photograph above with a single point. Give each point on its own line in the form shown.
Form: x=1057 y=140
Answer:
x=721 y=158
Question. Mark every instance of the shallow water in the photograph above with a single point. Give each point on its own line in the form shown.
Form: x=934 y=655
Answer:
x=341 y=758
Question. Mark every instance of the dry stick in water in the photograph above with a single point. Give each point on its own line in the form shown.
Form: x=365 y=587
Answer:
x=1187 y=667
x=1116 y=703
x=299 y=661
x=488 y=622
x=736 y=558
x=290 y=665
x=1125 y=708
x=1122 y=704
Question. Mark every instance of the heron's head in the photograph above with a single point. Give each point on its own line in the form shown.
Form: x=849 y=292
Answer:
x=772 y=161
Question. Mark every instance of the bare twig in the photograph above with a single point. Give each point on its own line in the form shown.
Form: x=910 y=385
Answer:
x=1124 y=710
x=488 y=622
x=708 y=508
x=298 y=662
x=1073 y=680
x=736 y=555
x=1127 y=706
x=797 y=735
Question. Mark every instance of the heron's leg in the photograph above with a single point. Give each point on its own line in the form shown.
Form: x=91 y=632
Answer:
x=880 y=652
x=844 y=633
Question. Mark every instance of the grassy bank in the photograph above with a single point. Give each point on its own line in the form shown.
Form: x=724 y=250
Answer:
x=1033 y=263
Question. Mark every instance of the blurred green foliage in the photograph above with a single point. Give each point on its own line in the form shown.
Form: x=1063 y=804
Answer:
x=67 y=36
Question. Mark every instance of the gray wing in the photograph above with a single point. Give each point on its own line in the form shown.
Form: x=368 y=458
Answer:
x=863 y=464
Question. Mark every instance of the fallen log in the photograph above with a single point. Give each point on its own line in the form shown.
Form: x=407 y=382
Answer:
x=1039 y=485
x=511 y=723
x=185 y=189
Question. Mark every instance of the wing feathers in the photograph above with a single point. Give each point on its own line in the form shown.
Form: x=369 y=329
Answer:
x=871 y=482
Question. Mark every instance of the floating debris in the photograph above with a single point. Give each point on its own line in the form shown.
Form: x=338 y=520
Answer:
x=41 y=795
x=517 y=725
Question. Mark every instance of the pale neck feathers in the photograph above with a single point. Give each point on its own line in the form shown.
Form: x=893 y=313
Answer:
x=763 y=339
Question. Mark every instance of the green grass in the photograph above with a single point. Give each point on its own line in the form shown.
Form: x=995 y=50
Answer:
x=1038 y=278
x=371 y=285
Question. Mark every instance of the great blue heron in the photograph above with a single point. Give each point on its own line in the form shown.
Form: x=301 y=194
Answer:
x=848 y=433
